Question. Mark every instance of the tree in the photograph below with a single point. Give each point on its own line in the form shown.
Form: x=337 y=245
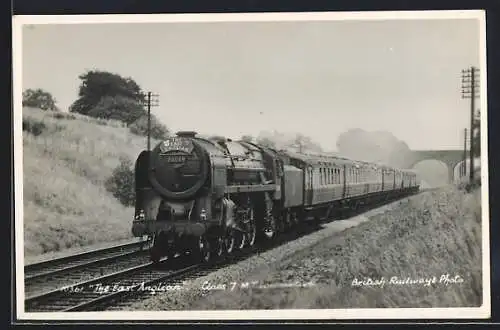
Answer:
x=97 y=84
x=118 y=107
x=266 y=142
x=378 y=146
x=303 y=143
x=216 y=137
x=140 y=127
x=39 y=98
x=247 y=138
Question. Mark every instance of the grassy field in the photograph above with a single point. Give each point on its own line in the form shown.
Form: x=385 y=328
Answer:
x=429 y=239
x=67 y=159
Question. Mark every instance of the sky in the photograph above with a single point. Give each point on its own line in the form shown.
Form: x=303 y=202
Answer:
x=317 y=78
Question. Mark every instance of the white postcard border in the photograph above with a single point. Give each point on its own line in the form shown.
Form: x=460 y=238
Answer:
x=394 y=313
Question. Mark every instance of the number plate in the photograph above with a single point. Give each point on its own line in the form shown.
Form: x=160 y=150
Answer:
x=175 y=159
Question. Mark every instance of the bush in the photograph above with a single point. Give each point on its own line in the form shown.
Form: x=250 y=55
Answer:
x=121 y=183
x=34 y=127
x=60 y=115
x=140 y=127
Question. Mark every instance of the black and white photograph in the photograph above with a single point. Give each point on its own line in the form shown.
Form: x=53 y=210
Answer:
x=292 y=166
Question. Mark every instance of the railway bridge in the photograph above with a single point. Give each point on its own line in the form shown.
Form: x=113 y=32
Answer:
x=449 y=157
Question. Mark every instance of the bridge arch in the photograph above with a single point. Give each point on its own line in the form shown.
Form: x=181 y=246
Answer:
x=449 y=157
x=432 y=171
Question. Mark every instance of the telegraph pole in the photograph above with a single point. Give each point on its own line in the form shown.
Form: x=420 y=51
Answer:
x=470 y=85
x=152 y=100
x=464 y=164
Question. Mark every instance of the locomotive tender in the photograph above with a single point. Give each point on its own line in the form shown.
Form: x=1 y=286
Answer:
x=212 y=197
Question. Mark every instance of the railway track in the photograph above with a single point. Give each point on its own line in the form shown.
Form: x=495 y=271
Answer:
x=119 y=289
x=129 y=276
x=55 y=273
x=101 y=291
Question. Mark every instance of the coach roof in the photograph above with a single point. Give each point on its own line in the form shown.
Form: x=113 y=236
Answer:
x=321 y=159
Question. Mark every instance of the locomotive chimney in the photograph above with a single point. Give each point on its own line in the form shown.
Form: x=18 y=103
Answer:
x=189 y=134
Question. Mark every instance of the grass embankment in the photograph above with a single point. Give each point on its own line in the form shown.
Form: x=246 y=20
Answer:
x=434 y=234
x=67 y=159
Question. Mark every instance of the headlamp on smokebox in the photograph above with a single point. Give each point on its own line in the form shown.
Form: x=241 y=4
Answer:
x=140 y=216
x=203 y=215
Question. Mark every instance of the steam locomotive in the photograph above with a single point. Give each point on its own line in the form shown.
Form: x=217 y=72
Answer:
x=212 y=197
